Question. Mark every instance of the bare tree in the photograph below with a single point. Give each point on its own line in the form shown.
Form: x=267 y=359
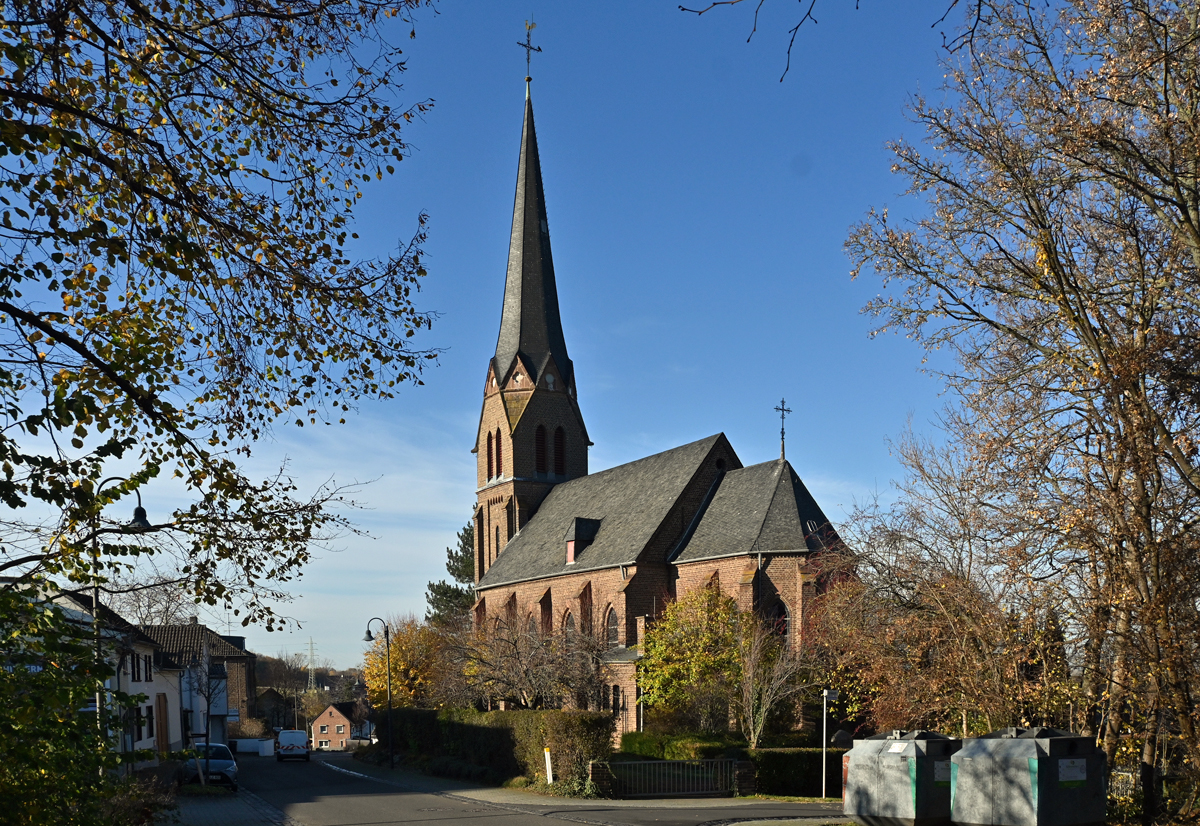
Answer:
x=287 y=674
x=1059 y=263
x=155 y=599
x=964 y=37
x=772 y=674
x=528 y=667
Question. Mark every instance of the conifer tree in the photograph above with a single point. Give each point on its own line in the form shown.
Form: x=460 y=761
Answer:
x=449 y=602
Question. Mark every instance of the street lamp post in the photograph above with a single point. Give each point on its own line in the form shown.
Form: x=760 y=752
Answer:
x=387 y=647
x=139 y=521
x=828 y=696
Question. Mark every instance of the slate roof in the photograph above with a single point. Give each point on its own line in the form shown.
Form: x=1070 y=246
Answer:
x=346 y=709
x=181 y=641
x=763 y=508
x=530 y=325
x=631 y=501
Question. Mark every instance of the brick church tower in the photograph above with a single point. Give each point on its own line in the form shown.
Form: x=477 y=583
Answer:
x=531 y=432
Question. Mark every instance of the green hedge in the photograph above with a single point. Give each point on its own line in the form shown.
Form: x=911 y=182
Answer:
x=688 y=746
x=503 y=743
x=797 y=771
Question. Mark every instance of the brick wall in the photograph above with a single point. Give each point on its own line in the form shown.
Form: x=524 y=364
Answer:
x=509 y=497
x=241 y=684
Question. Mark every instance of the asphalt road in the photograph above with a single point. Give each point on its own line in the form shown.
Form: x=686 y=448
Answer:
x=317 y=795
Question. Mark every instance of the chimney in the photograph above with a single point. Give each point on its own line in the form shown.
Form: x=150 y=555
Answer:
x=193 y=620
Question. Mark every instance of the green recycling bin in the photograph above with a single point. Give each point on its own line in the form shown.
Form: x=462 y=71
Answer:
x=1028 y=777
x=899 y=779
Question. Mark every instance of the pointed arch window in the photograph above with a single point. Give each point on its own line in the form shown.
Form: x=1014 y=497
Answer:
x=491 y=457
x=569 y=623
x=560 y=452
x=539 y=449
x=499 y=454
x=779 y=620
x=611 y=629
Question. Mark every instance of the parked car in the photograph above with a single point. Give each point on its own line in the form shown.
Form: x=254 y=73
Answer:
x=292 y=744
x=217 y=760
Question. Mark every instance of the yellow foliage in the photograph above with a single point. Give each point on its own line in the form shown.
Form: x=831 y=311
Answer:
x=415 y=655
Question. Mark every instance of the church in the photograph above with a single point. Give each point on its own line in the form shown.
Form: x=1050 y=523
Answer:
x=557 y=547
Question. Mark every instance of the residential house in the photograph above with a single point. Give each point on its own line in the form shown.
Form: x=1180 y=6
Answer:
x=217 y=682
x=140 y=669
x=335 y=727
x=277 y=710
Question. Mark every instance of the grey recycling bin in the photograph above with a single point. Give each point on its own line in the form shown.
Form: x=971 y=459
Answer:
x=1028 y=777
x=899 y=779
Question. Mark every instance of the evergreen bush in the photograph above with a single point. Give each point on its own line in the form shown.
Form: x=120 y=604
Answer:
x=503 y=744
x=797 y=771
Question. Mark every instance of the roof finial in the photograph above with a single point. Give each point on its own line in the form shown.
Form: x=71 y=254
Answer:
x=529 y=49
x=782 y=410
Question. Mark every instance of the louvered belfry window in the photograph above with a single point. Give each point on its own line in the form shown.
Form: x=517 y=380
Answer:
x=499 y=454
x=491 y=458
x=539 y=449
x=560 y=452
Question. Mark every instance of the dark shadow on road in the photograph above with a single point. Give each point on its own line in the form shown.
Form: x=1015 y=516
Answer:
x=317 y=795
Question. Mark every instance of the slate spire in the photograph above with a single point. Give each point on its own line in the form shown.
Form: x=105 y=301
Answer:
x=530 y=326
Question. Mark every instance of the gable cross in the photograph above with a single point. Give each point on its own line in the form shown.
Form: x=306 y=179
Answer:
x=782 y=410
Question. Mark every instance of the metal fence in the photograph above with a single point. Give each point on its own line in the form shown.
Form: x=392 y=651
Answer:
x=673 y=778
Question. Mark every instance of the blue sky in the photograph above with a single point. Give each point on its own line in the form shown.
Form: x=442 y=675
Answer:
x=697 y=211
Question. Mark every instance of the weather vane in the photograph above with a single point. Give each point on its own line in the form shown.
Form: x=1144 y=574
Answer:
x=529 y=48
x=782 y=410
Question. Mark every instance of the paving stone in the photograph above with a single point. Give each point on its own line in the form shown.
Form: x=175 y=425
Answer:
x=241 y=809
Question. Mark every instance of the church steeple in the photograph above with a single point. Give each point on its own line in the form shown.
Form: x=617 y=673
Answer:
x=531 y=433
x=530 y=326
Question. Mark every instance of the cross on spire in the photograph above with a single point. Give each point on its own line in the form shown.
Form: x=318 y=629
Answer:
x=529 y=49
x=782 y=410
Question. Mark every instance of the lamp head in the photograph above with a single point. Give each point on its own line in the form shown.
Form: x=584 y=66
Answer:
x=369 y=637
x=139 y=518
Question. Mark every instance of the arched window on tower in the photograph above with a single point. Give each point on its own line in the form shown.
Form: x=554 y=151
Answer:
x=499 y=454
x=539 y=449
x=560 y=452
x=491 y=458
x=611 y=629
x=496 y=547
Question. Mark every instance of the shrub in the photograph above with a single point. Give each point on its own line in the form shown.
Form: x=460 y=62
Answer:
x=685 y=746
x=796 y=771
x=501 y=744
x=701 y=748
x=642 y=743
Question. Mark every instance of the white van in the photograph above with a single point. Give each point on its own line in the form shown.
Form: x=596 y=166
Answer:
x=292 y=743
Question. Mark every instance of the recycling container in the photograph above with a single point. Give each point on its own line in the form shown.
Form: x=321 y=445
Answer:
x=1028 y=777
x=899 y=779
